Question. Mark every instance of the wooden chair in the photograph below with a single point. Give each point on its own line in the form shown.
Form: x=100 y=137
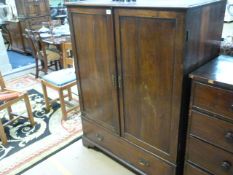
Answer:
x=9 y=97
x=67 y=56
x=60 y=81
x=48 y=57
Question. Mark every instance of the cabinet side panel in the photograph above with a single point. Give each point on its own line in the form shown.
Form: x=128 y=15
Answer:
x=204 y=26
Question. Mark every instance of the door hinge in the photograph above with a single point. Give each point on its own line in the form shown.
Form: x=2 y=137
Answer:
x=119 y=81
x=187 y=36
x=114 y=80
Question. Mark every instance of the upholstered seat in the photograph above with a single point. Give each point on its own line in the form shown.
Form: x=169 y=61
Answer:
x=59 y=81
x=61 y=77
x=51 y=55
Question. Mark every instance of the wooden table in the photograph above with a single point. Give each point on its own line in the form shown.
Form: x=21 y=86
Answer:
x=57 y=41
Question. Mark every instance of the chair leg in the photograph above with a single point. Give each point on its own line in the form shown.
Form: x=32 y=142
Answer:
x=3 y=134
x=37 y=68
x=45 y=68
x=29 y=110
x=56 y=66
x=60 y=64
x=44 y=88
x=69 y=94
x=63 y=107
x=9 y=110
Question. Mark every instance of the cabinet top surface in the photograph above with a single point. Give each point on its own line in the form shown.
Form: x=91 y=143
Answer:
x=219 y=71
x=143 y=3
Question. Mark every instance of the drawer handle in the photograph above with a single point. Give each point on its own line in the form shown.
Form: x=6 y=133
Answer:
x=229 y=136
x=99 y=137
x=232 y=107
x=144 y=162
x=226 y=165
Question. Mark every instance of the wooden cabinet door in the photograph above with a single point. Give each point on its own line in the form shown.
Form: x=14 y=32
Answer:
x=15 y=31
x=93 y=40
x=43 y=8
x=31 y=9
x=149 y=53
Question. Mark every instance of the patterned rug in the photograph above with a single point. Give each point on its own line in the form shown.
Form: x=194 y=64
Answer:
x=22 y=83
x=28 y=145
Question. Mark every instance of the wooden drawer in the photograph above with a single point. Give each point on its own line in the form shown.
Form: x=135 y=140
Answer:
x=213 y=99
x=211 y=158
x=192 y=170
x=129 y=153
x=212 y=130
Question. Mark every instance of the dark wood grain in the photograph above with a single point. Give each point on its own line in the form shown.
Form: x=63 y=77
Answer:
x=97 y=66
x=217 y=72
x=31 y=14
x=203 y=35
x=210 y=133
x=204 y=30
x=148 y=90
x=213 y=99
x=212 y=130
x=29 y=8
x=16 y=37
x=192 y=170
x=209 y=157
x=143 y=162
x=148 y=50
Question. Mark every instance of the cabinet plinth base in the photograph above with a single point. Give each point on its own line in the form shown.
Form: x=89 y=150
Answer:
x=87 y=143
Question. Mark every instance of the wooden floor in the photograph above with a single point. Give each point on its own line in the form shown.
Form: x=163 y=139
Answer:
x=78 y=160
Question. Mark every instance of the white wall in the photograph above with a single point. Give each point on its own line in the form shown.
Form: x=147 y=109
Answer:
x=5 y=65
x=12 y=4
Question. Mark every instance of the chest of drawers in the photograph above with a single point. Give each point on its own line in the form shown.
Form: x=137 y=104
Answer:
x=210 y=133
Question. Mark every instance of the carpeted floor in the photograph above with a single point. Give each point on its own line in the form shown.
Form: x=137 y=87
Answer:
x=18 y=60
x=29 y=145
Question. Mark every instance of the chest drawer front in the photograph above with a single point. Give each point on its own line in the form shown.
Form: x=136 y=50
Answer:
x=213 y=99
x=134 y=156
x=212 y=130
x=213 y=159
x=191 y=170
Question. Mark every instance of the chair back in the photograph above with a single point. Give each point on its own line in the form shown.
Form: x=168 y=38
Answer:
x=68 y=60
x=2 y=83
x=36 y=45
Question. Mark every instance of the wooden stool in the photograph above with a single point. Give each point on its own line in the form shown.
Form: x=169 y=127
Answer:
x=60 y=80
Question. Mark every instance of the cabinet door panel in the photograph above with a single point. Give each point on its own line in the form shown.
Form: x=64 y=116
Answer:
x=148 y=50
x=96 y=60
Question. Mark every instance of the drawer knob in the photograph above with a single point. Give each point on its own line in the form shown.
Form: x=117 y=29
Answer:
x=229 y=136
x=144 y=162
x=226 y=165
x=99 y=137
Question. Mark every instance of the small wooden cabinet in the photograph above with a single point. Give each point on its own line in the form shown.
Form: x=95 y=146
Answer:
x=210 y=135
x=132 y=62
x=15 y=32
x=31 y=14
x=32 y=8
